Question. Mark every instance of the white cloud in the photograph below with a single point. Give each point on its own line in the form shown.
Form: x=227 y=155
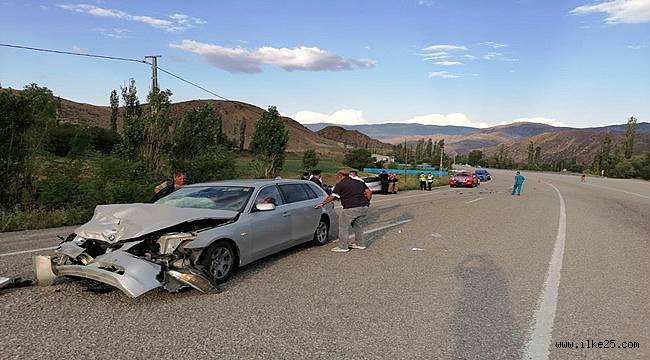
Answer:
x=178 y=22
x=340 y=117
x=449 y=63
x=241 y=60
x=78 y=49
x=618 y=11
x=443 y=75
x=635 y=47
x=497 y=56
x=457 y=119
x=425 y=2
x=469 y=57
x=436 y=48
x=116 y=33
x=493 y=44
x=436 y=56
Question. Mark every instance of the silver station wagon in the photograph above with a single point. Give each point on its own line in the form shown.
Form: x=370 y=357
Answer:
x=196 y=236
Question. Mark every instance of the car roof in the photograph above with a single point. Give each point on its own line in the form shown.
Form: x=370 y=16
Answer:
x=251 y=182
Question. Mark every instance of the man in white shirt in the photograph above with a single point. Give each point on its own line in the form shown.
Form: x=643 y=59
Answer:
x=354 y=175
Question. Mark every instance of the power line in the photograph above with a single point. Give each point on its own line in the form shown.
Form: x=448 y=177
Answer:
x=124 y=59
x=72 y=53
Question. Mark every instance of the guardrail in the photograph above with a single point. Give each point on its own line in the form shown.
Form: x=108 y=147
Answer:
x=408 y=171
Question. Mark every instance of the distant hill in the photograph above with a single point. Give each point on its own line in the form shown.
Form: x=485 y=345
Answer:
x=355 y=138
x=231 y=112
x=395 y=130
x=579 y=144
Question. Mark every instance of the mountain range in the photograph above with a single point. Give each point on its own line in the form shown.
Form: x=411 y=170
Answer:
x=333 y=140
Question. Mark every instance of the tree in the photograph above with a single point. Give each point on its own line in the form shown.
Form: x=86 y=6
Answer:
x=309 y=160
x=428 y=151
x=16 y=119
x=242 y=135
x=269 y=143
x=115 y=103
x=199 y=132
x=419 y=151
x=629 y=137
x=538 y=155
x=358 y=159
x=531 y=153
x=606 y=154
x=156 y=129
x=474 y=157
x=133 y=126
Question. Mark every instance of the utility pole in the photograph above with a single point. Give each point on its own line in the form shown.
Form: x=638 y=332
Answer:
x=442 y=151
x=154 y=70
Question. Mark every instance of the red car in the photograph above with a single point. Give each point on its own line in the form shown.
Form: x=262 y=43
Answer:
x=464 y=179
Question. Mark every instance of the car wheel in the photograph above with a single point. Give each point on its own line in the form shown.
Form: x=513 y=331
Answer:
x=321 y=235
x=221 y=261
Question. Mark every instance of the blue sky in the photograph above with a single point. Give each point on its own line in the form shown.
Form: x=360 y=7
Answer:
x=478 y=63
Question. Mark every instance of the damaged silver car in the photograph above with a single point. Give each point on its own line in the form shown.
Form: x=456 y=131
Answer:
x=195 y=237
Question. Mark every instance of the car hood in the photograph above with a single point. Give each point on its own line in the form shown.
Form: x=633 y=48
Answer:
x=113 y=223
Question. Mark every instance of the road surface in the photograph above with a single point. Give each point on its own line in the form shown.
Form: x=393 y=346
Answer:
x=476 y=274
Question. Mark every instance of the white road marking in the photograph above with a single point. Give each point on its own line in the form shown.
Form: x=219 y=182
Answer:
x=417 y=249
x=28 y=251
x=475 y=200
x=381 y=228
x=539 y=341
x=411 y=196
x=619 y=190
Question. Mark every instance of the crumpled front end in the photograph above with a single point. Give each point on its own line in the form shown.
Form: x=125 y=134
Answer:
x=134 y=266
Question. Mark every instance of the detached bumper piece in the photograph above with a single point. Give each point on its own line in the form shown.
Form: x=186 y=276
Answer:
x=132 y=275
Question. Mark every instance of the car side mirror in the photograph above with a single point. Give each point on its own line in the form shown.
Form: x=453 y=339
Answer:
x=265 y=207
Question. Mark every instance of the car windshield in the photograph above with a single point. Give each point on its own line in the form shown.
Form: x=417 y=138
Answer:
x=230 y=198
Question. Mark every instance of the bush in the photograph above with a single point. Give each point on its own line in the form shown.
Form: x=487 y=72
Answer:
x=309 y=160
x=624 y=169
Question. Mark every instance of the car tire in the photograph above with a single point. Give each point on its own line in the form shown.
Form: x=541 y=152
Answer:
x=321 y=235
x=221 y=261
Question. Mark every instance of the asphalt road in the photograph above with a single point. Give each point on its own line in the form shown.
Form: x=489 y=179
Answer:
x=476 y=274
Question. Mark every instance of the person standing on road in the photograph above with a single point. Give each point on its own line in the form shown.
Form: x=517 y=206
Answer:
x=423 y=181
x=429 y=181
x=393 y=180
x=383 y=178
x=355 y=198
x=169 y=186
x=519 y=181
x=582 y=178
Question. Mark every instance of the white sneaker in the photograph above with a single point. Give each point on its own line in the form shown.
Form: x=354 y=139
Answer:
x=338 y=249
x=358 y=247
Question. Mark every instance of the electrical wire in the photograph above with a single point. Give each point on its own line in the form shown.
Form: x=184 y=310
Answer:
x=72 y=53
x=107 y=57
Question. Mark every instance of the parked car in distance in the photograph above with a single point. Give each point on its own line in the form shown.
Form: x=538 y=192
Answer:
x=194 y=237
x=464 y=179
x=373 y=183
x=483 y=175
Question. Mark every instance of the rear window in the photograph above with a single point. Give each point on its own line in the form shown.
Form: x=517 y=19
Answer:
x=310 y=191
x=294 y=193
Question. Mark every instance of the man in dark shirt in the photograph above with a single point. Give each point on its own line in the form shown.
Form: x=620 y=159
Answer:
x=169 y=186
x=355 y=198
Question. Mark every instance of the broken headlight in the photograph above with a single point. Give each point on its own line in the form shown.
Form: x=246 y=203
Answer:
x=169 y=242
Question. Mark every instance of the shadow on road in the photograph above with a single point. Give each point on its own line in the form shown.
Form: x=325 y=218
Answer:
x=484 y=324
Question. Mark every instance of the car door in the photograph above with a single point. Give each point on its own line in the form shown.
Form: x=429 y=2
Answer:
x=300 y=201
x=270 y=230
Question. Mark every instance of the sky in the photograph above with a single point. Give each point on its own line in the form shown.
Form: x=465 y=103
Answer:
x=443 y=62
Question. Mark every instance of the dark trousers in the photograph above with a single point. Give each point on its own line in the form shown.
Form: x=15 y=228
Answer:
x=423 y=185
x=429 y=183
x=384 y=187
